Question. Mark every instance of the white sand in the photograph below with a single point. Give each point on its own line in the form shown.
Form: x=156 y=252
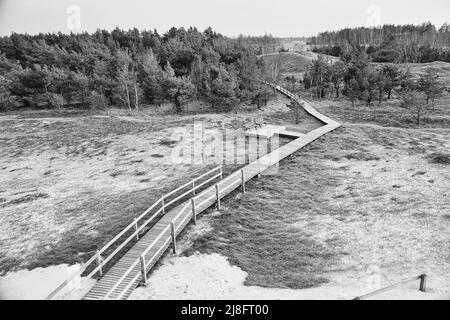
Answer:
x=203 y=276
x=36 y=284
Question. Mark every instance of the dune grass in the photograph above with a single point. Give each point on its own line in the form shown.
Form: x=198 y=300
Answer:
x=262 y=231
x=439 y=158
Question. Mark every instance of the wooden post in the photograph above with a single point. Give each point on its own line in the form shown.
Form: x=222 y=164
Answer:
x=218 y=196
x=257 y=147
x=242 y=181
x=235 y=150
x=221 y=172
x=269 y=145
x=136 y=228
x=194 y=214
x=143 y=270
x=174 y=238
x=193 y=187
x=163 y=205
x=423 y=282
x=247 y=149
x=99 y=263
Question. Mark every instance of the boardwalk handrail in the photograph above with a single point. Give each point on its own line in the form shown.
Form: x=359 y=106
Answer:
x=422 y=286
x=143 y=254
x=137 y=229
x=187 y=206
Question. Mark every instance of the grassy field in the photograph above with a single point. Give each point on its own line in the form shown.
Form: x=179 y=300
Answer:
x=373 y=195
x=71 y=180
x=442 y=69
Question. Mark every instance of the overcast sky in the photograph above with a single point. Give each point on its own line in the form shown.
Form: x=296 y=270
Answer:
x=229 y=17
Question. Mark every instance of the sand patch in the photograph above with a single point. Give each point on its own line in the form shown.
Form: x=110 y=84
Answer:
x=38 y=283
x=210 y=276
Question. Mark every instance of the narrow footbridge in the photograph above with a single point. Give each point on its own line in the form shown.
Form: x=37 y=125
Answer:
x=146 y=239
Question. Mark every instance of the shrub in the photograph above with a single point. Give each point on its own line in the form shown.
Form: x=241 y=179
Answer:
x=98 y=100
x=56 y=101
x=439 y=158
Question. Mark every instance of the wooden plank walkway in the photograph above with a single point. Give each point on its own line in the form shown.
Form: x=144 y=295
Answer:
x=125 y=275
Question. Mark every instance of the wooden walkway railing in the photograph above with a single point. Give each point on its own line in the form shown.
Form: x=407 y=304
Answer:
x=131 y=233
x=145 y=250
x=422 y=286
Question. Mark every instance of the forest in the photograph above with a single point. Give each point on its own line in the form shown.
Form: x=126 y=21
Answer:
x=389 y=43
x=132 y=68
x=356 y=77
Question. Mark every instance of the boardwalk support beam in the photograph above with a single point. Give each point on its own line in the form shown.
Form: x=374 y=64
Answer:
x=143 y=271
x=99 y=263
x=218 y=196
x=136 y=228
x=163 y=205
x=174 y=238
x=194 y=214
x=242 y=180
x=423 y=282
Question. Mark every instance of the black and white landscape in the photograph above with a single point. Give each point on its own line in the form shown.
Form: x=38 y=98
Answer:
x=224 y=150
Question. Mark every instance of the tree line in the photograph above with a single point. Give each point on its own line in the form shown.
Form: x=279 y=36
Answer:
x=357 y=78
x=389 y=43
x=132 y=68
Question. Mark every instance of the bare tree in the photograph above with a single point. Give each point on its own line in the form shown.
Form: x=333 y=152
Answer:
x=414 y=101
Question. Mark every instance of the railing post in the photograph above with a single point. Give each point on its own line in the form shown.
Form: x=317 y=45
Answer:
x=221 y=172
x=136 y=228
x=242 y=181
x=99 y=263
x=193 y=187
x=423 y=282
x=163 y=205
x=174 y=239
x=143 y=270
x=257 y=146
x=218 y=196
x=194 y=214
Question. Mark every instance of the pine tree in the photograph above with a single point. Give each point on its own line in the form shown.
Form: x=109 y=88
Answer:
x=179 y=90
x=126 y=77
x=337 y=72
x=223 y=88
x=4 y=93
x=392 y=74
x=429 y=84
x=413 y=100
x=150 y=78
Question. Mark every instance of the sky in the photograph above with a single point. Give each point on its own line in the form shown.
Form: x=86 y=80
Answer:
x=282 y=18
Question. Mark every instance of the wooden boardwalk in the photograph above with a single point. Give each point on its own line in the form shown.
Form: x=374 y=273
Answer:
x=122 y=278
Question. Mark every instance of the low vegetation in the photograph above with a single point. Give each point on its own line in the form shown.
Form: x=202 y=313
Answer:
x=439 y=158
